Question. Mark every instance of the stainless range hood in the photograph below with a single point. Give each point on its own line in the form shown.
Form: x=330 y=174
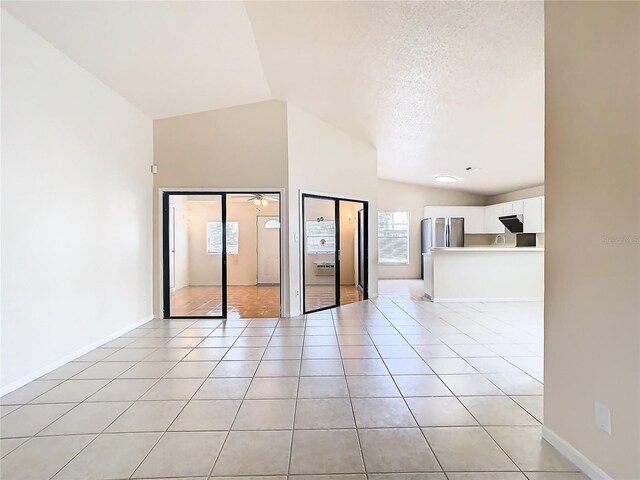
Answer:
x=513 y=223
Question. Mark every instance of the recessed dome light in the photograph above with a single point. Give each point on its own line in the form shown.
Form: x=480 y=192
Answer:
x=446 y=179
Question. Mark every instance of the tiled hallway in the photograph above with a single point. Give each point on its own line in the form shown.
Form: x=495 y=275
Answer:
x=394 y=385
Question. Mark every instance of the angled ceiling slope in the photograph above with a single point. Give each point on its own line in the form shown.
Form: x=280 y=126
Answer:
x=167 y=58
x=435 y=86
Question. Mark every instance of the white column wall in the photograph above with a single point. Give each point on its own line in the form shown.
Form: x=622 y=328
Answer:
x=76 y=209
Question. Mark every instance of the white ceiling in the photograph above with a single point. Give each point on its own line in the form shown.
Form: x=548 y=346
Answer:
x=168 y=58
x=434 y=86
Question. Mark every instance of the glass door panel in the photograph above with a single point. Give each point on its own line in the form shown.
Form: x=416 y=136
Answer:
x=194 y=255
x=320 y=233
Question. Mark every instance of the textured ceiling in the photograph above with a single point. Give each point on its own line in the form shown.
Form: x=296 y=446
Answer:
x=434 y=86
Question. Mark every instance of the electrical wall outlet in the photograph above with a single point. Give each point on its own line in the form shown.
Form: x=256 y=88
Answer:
x=602 y=416
x=297 y=293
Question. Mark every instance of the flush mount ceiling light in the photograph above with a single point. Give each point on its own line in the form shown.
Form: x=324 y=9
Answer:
x=446 y=179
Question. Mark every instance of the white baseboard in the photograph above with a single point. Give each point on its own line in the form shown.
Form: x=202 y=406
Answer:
x=10 y=387
x=587 y=467
x=486 y=300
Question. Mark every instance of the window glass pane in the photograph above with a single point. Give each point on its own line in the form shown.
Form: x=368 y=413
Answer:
x=393 y=237
x=321 y=236
x=272 y=224
x=214 y=237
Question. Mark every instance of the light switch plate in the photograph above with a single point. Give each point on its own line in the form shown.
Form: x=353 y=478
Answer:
x=602 y=415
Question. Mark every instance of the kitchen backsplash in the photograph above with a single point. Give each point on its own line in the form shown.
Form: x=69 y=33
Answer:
x=483 y=240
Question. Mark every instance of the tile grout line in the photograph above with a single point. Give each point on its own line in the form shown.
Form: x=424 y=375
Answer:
x=479 y=424
x=295 y=407
x=36 y=435
x=458 y=321
x=244 y=397
x=97 y=435
x=163 y=433
x=353 y=413
x=405 y=400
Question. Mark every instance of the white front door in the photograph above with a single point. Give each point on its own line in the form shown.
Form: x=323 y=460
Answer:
x=268 y=250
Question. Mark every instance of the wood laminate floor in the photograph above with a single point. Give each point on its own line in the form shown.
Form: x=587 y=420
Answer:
x=320 y=296
x=243 y=301
x=251 y=301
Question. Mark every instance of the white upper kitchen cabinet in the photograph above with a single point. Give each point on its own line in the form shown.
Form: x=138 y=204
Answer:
x=517 y=208
x=436 y=211
x=485 y=219
x=473 y=220
x=491 y=222
x=473 y=216
x=513 y=208
x=534 y=215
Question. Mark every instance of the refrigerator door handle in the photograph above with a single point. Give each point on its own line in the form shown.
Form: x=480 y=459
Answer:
x=447 y=233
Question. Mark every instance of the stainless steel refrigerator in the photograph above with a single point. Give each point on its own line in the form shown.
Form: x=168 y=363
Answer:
x=442 y=232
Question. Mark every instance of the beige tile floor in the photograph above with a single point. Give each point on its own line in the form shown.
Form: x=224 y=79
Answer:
x=392 y=386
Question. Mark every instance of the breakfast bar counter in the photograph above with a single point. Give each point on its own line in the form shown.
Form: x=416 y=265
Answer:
x=484 y=274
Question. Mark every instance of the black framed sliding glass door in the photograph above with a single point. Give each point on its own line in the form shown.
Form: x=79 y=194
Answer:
x=195 y=233
x=321 y=254
x=335 y=251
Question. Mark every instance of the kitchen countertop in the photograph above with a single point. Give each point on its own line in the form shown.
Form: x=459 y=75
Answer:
x=484 y=274
x=488 y=249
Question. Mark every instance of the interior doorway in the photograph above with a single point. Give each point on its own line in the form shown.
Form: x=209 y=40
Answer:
x=213 y=264
x=335 y=252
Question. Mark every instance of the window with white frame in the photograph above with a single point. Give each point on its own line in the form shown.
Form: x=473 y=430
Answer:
x=214 y=237
x=393 y=238
x=321 y=236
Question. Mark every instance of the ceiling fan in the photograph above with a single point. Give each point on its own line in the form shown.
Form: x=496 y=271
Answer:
x=260 y=199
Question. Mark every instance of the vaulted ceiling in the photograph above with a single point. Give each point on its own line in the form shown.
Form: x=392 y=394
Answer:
x=435 y=86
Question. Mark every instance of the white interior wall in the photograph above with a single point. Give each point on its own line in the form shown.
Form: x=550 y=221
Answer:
x=181 y=245
x=76 y=209
x=241 y=147
x=592 y=257
x=398 y=196
x=324 y=159
x=356 y=241
x=516 y=195
x=242 y=268
x=348 y=245
x=205 y=269
x=315 y=208
x=264 y=146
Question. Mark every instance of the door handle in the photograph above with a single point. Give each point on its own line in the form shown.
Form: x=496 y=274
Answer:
x=447 y=234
